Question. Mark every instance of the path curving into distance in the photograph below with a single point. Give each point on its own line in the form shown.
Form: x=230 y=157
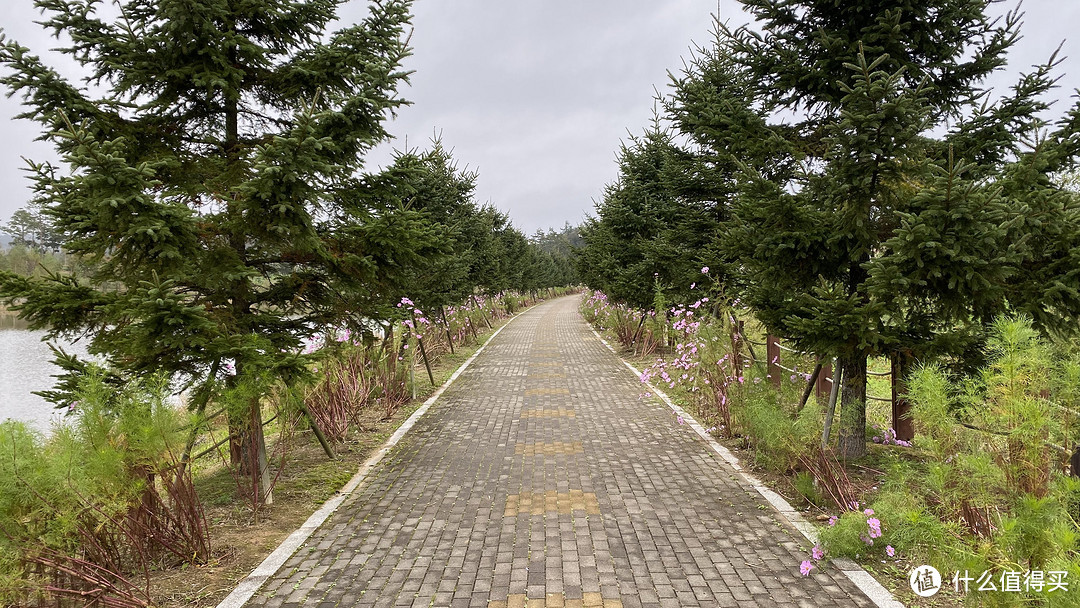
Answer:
x=541 y=476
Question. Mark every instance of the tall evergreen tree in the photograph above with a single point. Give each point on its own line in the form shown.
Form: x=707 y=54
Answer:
x=560 y=248
x=855 y=230
x=653 y=226
x=214 y=181
x=431 y=183
x=30 y=227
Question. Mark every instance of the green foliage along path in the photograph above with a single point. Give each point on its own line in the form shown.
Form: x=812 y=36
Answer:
x=865 y=196
x=215 y=189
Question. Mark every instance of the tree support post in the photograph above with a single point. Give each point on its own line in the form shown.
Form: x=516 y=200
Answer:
x=831 y=411
x=318 y=431
x=446 y=324
x=772 y=352
x=423 y=351
x=482 y=315
x=824 y=381
x=810 y=385
x=901 y=407
x=737 y=340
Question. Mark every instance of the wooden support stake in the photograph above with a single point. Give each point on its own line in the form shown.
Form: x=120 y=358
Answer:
x=446 y=324
x=810 y=385
x=482 y=315
x=737 y=340
x=427 y=365
x=318 y=431
x=772 y=351
x=901 y=407
x=832 y=406
x=824 y=384
x=472 y=328
x=740 y=327
x=423 y=351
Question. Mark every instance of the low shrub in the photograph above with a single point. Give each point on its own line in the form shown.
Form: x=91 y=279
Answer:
x=100 y=500
x=989 y=491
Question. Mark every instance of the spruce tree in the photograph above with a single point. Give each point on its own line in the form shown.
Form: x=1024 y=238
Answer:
x=856 y=230
x=430 y=183
x=654 y=227
x=213 y=177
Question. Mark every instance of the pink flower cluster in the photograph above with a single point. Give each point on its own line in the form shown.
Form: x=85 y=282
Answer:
x=817 y=554
x=873 y=525
x=683 y=368
x=888 y=437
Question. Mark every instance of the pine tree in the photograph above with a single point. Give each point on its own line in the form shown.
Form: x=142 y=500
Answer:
x=653 y=226
x=215 y=183
x=856 y=231
x=430 y=182
x=559 y=248
x=30 y=227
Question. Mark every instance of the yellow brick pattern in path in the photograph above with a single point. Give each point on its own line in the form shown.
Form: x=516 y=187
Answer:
x=555 y=413
x=532 y=392
x=554 y=448
x=556 y=600
x=539 y=503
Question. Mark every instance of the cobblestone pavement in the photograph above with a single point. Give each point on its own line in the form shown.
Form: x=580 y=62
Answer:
x=543 y=477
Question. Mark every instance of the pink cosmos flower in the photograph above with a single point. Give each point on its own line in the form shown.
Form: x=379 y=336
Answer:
x=875 y=527
x=817 y=552
x=805 y=567
x=890 y=551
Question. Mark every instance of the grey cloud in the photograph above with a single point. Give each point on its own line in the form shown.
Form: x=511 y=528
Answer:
x=536 y=94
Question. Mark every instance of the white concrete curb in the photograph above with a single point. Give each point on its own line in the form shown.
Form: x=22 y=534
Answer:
x=251 y=584
x=861 y=578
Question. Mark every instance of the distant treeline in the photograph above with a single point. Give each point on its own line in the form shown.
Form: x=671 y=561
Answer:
x=34 y=262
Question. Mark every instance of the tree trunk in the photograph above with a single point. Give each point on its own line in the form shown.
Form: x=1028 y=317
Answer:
x=852 y=432
x=247 y=449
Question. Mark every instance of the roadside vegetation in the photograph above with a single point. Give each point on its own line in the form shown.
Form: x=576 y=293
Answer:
x=984 y=486
x=215 y=236
x=111 y=505
x=835 y=177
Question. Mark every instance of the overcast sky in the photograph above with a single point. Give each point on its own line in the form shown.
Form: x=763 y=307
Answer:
x=534 y=94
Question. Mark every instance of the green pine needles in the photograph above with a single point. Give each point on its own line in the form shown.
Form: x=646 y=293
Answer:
x=214 y=183
x=861 y=193
x=988 y=492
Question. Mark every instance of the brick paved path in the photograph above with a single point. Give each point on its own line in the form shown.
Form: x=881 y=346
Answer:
x=541 y=474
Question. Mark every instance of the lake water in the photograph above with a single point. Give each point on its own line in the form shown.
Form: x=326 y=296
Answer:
x=26 y=366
